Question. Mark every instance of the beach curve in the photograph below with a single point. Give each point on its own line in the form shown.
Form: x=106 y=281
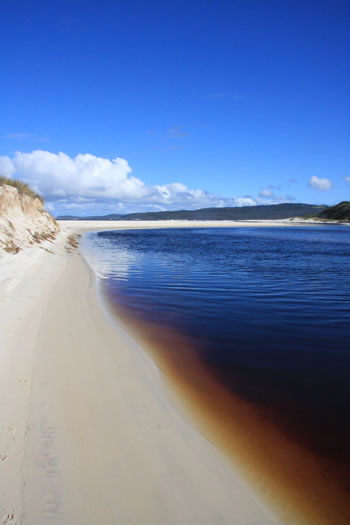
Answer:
x=89 y=434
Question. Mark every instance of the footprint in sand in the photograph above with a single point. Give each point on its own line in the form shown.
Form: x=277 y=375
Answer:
x=12 y=431
x=3 y=457
x=8 y=518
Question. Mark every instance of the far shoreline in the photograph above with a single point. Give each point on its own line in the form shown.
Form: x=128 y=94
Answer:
x=95 y=225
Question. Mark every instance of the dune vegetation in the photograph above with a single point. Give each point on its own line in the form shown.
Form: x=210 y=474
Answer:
x=22 y=187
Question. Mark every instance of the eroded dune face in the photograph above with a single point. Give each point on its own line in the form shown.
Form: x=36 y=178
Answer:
x=23 y=220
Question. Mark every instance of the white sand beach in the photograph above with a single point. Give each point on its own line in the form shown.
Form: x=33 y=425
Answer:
x=88 y=431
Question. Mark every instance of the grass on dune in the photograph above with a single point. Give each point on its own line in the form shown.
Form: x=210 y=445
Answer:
x=22 y=187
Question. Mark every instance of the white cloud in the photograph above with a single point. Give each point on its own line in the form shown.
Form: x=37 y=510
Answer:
x=87 y=184
x=347 y=179
x=265 y=194
x=244 y=201
x=6 y=166
x=320 y=184
x=59 y=176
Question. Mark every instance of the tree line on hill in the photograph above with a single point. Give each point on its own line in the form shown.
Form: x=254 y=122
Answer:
x=244 y=213
x=339 y=212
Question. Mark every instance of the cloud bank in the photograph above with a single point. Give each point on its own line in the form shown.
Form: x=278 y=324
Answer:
x=87 y=184
x=320 y=184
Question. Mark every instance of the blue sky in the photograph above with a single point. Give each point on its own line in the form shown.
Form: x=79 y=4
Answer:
x=128 y=106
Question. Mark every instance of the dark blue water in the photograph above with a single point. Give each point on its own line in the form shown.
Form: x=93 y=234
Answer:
x=266 y=309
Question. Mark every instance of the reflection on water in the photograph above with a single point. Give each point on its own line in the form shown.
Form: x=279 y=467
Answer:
x=265 y=310
x=106 y=262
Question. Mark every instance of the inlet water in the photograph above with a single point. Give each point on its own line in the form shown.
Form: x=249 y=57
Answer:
x=267 y=311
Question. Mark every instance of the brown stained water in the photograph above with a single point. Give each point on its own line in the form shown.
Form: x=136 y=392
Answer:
x=251 y=327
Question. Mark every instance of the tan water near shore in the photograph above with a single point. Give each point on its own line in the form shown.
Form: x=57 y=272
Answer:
x=199 y=315
x=302 y=486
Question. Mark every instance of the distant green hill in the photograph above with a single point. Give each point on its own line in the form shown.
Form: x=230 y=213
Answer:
x=112 y=217
x=339 y=212
x=244 y=213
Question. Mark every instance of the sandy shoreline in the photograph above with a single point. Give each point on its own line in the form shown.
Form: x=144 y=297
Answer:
x=88 y=433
